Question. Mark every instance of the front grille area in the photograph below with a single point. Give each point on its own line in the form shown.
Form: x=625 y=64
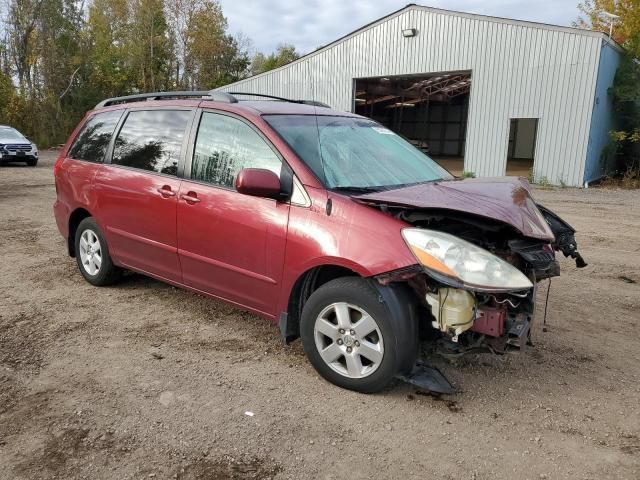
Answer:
x=17 y=148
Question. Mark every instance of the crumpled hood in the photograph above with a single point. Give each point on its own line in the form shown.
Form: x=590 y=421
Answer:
x=506 y=199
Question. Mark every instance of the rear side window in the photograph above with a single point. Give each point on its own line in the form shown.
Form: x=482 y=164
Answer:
x=151 y=140
x=226 y=145
x=93 y=140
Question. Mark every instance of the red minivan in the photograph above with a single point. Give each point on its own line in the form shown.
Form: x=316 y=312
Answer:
x=324 y=221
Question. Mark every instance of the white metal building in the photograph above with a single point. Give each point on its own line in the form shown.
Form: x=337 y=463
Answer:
x=489 y=90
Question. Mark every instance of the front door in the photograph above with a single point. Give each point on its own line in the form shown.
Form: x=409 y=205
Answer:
x=138 y=191
x=231 y=245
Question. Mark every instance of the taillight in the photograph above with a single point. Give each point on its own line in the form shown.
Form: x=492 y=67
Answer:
x=57 y=165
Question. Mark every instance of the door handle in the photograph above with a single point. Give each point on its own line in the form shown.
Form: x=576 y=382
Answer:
x=166 y=191
x=190 y=197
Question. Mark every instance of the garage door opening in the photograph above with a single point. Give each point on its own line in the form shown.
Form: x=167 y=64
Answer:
x=429 y=110
x=522 y=146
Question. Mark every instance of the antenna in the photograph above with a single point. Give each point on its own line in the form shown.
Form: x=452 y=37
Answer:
x=315 y=104
x=613 y=19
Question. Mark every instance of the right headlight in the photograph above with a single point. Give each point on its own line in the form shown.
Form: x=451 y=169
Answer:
x=450 y=257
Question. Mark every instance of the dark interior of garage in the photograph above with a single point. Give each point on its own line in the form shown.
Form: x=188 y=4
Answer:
x=429 y=110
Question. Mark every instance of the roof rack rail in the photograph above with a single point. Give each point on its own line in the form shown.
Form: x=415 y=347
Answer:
x=208 y=94
x=282 y=99
x=315 y=103
x=214 y=95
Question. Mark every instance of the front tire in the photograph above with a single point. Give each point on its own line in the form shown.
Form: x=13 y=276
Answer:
x=354 y=338
x=32 y=162
x=92 y=255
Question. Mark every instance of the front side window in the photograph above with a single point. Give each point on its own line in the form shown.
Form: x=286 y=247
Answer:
x=226 y=145
x=355 y=153
x=93 y=140
x=151 y=140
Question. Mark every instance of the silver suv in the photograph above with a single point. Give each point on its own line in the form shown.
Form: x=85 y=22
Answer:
x=15 y=147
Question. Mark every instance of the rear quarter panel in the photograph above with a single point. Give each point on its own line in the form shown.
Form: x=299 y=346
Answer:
x=73 y=180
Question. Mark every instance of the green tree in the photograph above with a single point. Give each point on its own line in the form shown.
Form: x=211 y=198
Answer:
x=66 y=55
x=7 y=96
x=284 y=54
x=234 y=63
x=150 y=48
x=205 y=46
x=42 y=53
x=626 y=97
x=59 y=59
x=21 y=28
x=205 y=56
x=625 y=91
x=109 y=61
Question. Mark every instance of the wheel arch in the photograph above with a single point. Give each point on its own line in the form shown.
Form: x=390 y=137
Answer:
x=75 y=218
x=307 y=283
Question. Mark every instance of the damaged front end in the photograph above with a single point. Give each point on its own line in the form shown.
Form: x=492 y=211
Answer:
x=481 y=247
x=476 y=279
x=460 y=320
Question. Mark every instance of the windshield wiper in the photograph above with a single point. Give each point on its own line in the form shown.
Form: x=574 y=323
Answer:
x=381 y=188
x=357 y=189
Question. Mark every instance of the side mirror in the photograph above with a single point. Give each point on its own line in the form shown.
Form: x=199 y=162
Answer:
x=258 y=182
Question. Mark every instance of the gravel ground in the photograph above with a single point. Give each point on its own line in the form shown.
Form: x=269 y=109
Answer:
x=143 y=380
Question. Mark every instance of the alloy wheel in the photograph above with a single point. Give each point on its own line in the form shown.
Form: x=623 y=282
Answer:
x=90 y=252
x=348 y=340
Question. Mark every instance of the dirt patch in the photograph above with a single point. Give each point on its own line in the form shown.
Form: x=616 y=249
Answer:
x=63 y=270
x=22 y=408
x=452 y=405
x=63 y=453
x=229 y=468
x=58 y=450
x=21 y=341
x=630 y=444
x=20 y=234
x=10 y=392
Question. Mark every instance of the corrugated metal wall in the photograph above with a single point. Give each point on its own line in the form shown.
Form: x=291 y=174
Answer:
x=519 y=70
x=604 y=118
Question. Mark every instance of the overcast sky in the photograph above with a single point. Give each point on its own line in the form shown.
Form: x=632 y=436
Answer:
x=309 y=24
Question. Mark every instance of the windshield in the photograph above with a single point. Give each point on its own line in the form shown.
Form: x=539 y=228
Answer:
x=355 y=153
x=10 y=134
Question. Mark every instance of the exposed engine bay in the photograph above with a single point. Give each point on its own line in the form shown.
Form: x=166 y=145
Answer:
x=461 y=319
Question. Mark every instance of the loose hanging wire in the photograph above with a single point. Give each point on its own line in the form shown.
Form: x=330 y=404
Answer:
x=546 y=303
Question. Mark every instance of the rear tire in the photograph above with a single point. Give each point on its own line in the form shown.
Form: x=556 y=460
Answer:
x=92 y=255
x=354 y=338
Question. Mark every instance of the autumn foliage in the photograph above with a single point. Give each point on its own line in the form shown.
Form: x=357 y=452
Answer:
x=625 y=91
x=59 y=58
